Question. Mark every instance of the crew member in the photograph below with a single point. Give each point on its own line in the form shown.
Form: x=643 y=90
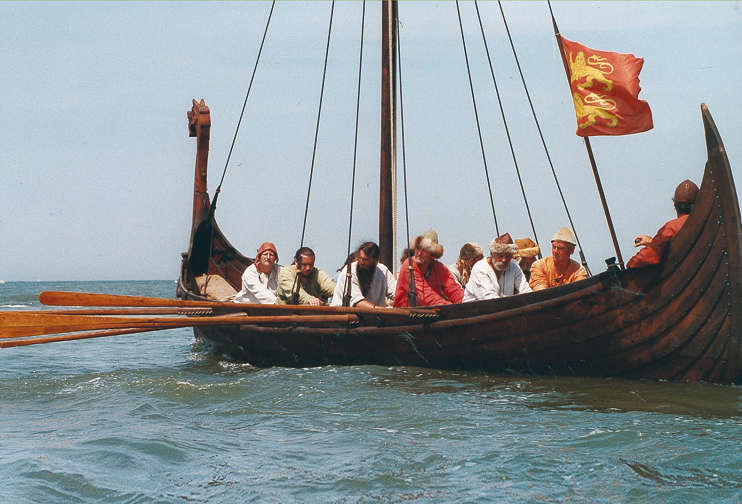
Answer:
x=497 y=276
x=557 y=269
x=302 y=283
x=372 y=285
x=432 y=280
x=469 y=254
x=527 y=254
x=260 y=279
x=654 y=248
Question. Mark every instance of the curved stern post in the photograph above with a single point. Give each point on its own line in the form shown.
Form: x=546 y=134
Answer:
x=727 y=199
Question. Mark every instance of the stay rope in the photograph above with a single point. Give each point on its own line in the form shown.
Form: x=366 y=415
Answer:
x=411 y=292
x=476 y=118
x=244 y=105
x=316 y=131
x=295 y=287
x=212 y=207
x=543 y=142
x=404 y=153
x=346 y=291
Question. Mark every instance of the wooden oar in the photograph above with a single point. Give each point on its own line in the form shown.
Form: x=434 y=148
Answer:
x=131 y=311
x=70 y=337
x=61 y=298
x=24 y=324
x=22 y=328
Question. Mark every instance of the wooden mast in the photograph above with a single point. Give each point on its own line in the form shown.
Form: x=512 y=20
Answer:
x=388 y=132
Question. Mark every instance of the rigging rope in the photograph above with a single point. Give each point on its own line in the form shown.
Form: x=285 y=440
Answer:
x=543 y=142
x=504 y=121
x=394 y=35
x=476 y=117
x=212 y=208
x=411 y=292
x=346 y=292
x=295 y=287
x=404 y=154
x=244 y=105
x=319 y=115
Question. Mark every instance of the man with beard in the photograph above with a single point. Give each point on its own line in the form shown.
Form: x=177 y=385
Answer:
x=302 y=283
x=497 y=276
x=260 y=280
x=423 y=279
x=371 y=284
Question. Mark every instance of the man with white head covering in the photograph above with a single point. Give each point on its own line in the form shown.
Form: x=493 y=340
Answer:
x=497 y=276
x=432 y=281
x=557 y=269
x=260 y=279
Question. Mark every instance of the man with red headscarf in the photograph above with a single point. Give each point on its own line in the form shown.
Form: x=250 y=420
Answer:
x=260 y=279
x=654 y=248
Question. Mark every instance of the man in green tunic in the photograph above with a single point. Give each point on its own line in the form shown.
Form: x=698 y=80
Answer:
x=310 y=286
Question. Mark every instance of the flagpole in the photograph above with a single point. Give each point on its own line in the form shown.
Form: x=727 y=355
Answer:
x=589 y=149
x=603 y=201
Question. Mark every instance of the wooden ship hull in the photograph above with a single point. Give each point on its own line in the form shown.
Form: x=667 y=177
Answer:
x=676 y=321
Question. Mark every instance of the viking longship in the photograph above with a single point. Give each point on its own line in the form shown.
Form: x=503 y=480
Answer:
x=679 y=320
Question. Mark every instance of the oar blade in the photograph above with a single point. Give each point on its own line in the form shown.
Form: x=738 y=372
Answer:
x=25 y=324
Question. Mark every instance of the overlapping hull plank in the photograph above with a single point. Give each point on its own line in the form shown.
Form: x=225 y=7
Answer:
x=676 y=321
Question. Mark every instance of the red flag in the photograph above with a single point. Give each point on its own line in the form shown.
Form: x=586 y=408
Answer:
x=605 y=90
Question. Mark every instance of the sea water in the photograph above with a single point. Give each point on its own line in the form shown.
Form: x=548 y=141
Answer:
x=156 y=418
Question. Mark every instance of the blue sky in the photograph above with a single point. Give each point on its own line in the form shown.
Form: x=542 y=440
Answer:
x=98 y=167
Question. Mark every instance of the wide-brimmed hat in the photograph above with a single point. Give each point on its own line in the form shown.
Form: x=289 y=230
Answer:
x=428 y=241
x=527 y=248
x=565 y=235
x=503 y=244
x=264 y=247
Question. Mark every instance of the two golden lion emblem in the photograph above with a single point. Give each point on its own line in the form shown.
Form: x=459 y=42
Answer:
x=594 y=71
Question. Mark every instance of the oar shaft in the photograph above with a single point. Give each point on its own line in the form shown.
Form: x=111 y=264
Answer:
x=61 y=298
x=24 y=324
x=133 y=311
x=71 y=337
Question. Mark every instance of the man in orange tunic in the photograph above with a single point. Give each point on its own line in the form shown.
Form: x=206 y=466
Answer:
x=654 y=248
x=557 y=269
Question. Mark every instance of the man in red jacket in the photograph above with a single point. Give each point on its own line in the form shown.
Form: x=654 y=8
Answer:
x=654 y=248
x=434 y=284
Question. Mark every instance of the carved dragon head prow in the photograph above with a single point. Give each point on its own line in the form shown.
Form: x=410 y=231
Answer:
x=198 y=111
